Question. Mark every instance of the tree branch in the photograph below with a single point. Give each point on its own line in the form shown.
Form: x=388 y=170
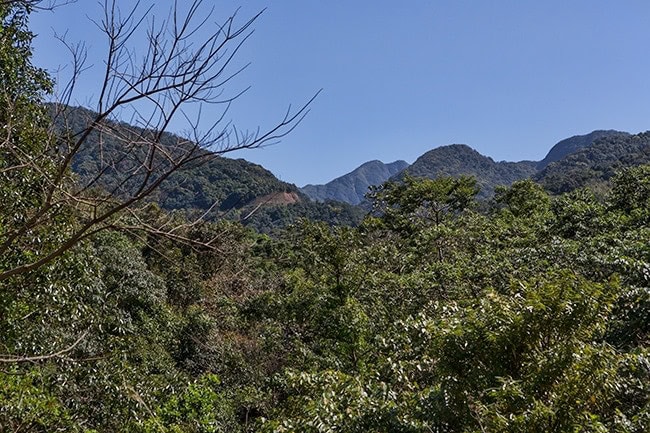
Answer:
x=16 y=359
x=177 y=69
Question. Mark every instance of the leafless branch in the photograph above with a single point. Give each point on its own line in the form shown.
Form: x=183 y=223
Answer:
x=176 y=70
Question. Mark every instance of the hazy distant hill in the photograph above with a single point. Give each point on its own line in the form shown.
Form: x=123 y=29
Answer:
x=352 y=187
x=575 y=143
x=459 y=159
x=594 y=165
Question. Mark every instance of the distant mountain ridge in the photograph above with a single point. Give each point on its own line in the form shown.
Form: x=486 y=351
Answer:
x=592 y=166
x=459 y=159
x=575 y=143
x=352 y=187
x=238 y=189
x=581 y=160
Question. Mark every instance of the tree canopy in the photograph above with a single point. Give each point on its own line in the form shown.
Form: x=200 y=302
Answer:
x=527 y=313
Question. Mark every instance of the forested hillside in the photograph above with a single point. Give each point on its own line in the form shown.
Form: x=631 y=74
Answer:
x=231 y=183
x=594 y=165
x=573 y=144
x=461 y=160
x=527 y=313
x=216 y=186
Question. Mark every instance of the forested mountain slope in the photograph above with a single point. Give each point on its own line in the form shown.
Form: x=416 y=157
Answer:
x=458 y=159
x=231 y=183
x=574 y=144
x=594 y=165
x=231 y=188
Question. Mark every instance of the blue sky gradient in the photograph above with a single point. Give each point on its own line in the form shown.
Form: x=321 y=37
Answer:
x=508 y=77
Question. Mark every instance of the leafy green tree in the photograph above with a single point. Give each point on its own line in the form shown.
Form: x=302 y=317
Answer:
x=578 y=214
x=26 y=160
x=415 y=202
x=201 y=408
x=523 y=198
x=631 y=192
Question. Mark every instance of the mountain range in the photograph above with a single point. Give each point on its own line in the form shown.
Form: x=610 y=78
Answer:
x=581 y=160
x=252 y=194
x=352 y=187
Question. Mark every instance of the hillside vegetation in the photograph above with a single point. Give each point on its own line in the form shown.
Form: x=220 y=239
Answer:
x=594 y=165
x=577 y=161
x=528 y=312
x=461 y=160
x=574 y=144
x=228 y=188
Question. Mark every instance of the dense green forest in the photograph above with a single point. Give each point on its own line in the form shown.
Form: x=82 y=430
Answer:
x=529 y=312
x=594 y=165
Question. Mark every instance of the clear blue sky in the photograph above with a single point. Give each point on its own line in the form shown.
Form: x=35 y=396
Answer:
x=508 y=77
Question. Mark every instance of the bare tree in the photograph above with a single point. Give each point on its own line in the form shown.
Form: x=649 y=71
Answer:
x=176 y=70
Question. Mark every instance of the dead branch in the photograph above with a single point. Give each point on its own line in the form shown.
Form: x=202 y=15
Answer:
x=177 y=69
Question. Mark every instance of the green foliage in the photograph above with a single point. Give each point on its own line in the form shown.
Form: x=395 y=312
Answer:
x=271 y=219
x=28 y=406
x=552 y=340
x=530 y=314
x=595 y=165
x=201 y=408
x=26 y=160
x=417 y=202
x=460 y=160
x=631 y=193
x=22 y=83
x=523 y=199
